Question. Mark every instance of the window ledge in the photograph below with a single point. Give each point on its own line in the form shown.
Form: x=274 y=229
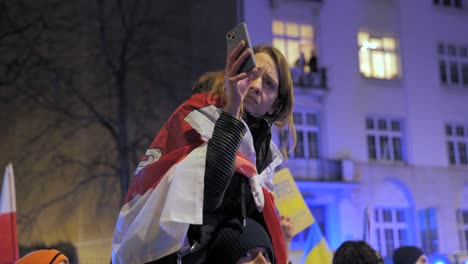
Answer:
x=451 y=9
x=458 y=166
x=388 y=162
x=378 y=81
x=454 y=88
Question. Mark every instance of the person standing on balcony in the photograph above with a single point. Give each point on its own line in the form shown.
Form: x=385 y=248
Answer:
x=300 y=64
x=213 y=161
x=313 y=62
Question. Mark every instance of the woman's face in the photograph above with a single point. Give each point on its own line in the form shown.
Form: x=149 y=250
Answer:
x=263 y=87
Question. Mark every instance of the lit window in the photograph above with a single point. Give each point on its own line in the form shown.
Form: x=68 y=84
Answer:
x=457 y=143
x=384 y=139
x=453 y=65
x=391 y=229
x=378 y=57
x=293 y=38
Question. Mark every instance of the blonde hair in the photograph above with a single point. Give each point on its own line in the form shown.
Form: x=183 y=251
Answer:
x=282 y=116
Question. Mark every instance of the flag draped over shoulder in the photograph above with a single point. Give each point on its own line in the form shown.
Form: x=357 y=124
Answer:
x=166 y=194
x=9 y=252
x=317 y=250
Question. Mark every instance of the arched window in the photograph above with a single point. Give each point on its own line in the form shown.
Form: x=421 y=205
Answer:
x=390 y=223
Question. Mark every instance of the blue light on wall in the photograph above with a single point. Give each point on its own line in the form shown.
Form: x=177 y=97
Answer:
x=439 y=259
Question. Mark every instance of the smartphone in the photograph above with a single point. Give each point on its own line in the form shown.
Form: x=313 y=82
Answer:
x=233 y=38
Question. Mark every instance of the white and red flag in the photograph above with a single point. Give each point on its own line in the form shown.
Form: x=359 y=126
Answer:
x=166 y=194
x=9 y=251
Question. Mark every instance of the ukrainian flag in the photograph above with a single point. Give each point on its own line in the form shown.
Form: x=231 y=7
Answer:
x=317 y=251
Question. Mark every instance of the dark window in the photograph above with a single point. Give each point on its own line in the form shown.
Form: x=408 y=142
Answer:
x=384 y=148
x=369 y=123
x=387 y=215
x=460 y=131
x=453 y=72
x=311 y=119
x=313 y=146
x=443 y=73
x=382 y=123
x=448 y=130
x=397 y=151
x=395 y=125
x=451 y=151
x=462 y=152
x=379 y=240
x=299 y=150
x=464 y=51
x=466 y=239
x=297 y=117
x=389 y=241
x=400 y=215
x=465 y=73
x=452 y=51
x=465 y=217
x=402 y=237
x=428 y=228
x=371 y=147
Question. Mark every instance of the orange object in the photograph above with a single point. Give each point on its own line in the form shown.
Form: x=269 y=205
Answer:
x=43 y=256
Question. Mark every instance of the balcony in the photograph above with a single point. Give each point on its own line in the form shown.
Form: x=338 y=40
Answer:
x=322 y=170
x=301 y=3
x=309 y=80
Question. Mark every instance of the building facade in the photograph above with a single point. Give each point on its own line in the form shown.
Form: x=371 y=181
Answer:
x=381 y=112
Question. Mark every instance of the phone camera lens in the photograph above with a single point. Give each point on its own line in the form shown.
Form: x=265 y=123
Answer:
x=229 y=36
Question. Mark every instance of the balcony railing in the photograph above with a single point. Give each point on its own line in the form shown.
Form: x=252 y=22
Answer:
x=315 y=80
x=321 y=170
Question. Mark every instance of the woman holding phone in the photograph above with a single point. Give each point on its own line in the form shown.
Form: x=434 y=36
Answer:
x=213 y=161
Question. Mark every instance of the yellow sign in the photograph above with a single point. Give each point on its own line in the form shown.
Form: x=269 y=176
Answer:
x=289 y=201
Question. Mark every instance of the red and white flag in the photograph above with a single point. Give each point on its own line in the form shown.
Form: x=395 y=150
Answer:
x=9 y=252
x=166 y=194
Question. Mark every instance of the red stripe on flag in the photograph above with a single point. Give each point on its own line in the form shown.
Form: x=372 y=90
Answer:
x=272 y=221
x=8 y=242
x=274 y=227
x=151 y=175
x=244 y=167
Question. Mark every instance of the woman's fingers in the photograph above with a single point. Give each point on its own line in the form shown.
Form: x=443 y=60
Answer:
x=231 y=56
x=235 y=59
x=236 y=83
x=238 y=62
x=238 y=77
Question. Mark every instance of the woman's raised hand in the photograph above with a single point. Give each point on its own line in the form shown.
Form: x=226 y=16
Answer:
x=237 y=84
